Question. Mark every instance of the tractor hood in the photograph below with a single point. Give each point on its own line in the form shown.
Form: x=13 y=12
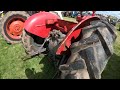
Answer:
x=36 y=24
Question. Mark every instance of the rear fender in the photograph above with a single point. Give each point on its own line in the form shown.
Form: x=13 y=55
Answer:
x=74 y=33
x=36 y=24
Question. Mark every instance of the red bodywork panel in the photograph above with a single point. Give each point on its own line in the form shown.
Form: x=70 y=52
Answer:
x=74 y=33
x=37 y=25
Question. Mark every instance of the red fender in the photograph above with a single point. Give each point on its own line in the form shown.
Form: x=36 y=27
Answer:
x=36 y=24
x=74 y=33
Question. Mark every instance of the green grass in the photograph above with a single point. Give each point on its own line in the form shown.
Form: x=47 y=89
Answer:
x=69 y=19
x=112 y=70
x=12 y=65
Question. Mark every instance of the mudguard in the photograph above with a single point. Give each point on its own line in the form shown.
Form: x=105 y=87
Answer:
x=36 y=24
x=74 y=33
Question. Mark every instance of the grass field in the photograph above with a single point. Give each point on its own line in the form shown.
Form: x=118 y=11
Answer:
x=12 y=65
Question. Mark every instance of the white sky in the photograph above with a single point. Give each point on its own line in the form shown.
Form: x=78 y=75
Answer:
x=114 y=13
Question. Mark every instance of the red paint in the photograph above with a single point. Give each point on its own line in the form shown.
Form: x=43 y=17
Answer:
x=65 y=26
x=93 y=14
x=14 y=27
x=67 y=41
x=37 y=23
x=74 y=33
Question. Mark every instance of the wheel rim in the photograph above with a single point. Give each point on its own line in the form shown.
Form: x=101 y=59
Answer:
x=14 y=27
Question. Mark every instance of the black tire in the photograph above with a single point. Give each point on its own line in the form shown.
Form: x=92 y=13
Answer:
x=89 y=62
x=86 y=63
x=31 y=12
x=75 y=69
x=31 y=43
x=7 y=17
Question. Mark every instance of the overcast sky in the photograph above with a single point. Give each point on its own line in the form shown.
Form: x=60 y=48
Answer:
x=114 y=13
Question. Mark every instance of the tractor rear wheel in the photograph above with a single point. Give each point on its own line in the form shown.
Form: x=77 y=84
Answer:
x=89 y=55
x=87 y=61
x=12 y=25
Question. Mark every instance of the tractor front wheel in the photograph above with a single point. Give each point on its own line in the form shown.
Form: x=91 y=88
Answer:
x=12 y=25
x=31 y=43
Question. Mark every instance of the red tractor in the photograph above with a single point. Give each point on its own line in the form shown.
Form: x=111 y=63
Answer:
x=79 y=50
x=12 y=24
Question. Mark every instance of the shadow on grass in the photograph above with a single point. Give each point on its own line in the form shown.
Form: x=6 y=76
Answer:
x=48 y=70
x=112 y=70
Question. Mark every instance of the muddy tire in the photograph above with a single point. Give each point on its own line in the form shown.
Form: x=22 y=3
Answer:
x=74 y=70
x=31 y=43
x=12 y=26
x=89 y=55
x=87 y=61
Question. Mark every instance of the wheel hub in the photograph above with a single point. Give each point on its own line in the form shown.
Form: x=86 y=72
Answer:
x=16 y=28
